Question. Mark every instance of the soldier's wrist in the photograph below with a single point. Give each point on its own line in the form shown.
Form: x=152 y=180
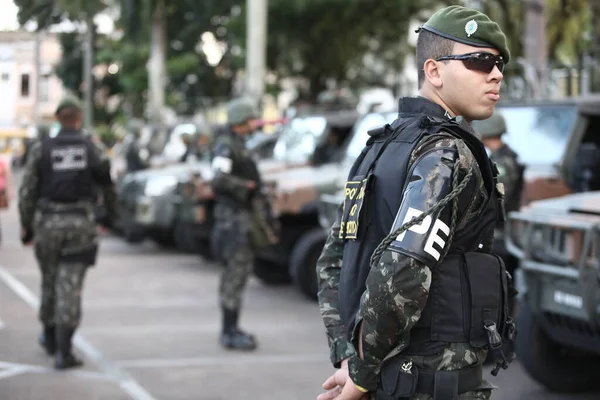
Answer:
x=362 y=374
x=341 y=350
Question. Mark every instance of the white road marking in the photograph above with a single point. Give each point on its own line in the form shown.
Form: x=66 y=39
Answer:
x=12 y=369
x=2 y=325
x=126 y=382
x=223 y=361
x=7 y=373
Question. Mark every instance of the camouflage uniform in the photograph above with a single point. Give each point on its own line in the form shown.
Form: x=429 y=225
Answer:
x=235 y=173
x=60 y=237
x=510 y=174
x=234 y=225
x=397 y=290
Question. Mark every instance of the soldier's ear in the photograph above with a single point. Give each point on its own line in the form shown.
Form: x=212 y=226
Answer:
x=432 y=72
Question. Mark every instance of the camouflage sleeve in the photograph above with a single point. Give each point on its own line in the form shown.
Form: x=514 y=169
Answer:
x=398 y=285
x=224 y=182
x=103 y=178
x=328 y=274
x=29 y=189
x=509 y=173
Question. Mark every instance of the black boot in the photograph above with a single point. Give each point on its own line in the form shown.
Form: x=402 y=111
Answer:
x=47 y=339
x=232 y=337
x=64 y=357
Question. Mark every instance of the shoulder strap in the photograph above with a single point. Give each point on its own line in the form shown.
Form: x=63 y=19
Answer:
x=488 y=171
x=396 y=128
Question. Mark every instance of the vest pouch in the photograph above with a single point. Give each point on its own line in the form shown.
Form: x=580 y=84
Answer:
x=446 y=303
x=80 y=255
x=397 y=380
x=485 y=274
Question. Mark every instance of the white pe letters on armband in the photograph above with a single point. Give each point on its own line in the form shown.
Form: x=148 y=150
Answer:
x=222 y=164
x=433 y=237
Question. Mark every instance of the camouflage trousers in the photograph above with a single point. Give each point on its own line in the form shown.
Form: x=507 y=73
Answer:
x=238 y=253
x=62 y=277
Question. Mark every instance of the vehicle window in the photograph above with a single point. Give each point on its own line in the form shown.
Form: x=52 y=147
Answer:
x=299 y=138
x=361 y=129
x=538 y=134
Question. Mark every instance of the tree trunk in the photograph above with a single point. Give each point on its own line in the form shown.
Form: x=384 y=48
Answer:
x=535 y=46
x=157 y=64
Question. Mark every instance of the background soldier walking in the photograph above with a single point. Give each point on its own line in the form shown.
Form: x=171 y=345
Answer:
x=236 y=183
x=57 y=210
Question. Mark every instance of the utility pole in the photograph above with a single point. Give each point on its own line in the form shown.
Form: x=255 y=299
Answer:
x=156 y=64
x=88 y=104
x=256 y=45
x=38 y=71
x=535 y=48
x=595 y=53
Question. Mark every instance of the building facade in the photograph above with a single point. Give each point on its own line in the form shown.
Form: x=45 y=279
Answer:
x=18 y=78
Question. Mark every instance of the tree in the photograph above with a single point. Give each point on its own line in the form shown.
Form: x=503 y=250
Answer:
x=329 y=41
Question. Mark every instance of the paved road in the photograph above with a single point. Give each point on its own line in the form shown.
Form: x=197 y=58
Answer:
x=150 y=332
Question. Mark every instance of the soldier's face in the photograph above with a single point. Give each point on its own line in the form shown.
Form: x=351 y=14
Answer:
x=467 y=87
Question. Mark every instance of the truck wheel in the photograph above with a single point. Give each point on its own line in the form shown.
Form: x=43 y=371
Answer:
x=303 y=261
x=271 y=273
x=554 y=366
x=132 y=234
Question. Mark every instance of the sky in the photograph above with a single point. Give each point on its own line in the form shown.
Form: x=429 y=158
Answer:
x=8 y=15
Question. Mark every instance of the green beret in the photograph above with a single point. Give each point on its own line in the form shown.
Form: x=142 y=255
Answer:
x=494 y=126
x=68 y=102
x=468 y=26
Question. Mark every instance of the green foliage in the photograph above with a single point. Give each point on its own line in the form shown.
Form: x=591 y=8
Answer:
x=44 y=12
x=70 y=69
x=107 y=136
x=333 y=40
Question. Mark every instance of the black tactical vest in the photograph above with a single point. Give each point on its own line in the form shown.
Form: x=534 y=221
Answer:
x=243 y=166
x=468 y=287
x=66 y=168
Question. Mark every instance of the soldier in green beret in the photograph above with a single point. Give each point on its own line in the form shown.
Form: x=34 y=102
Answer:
x=57 y=209
x=410 y=292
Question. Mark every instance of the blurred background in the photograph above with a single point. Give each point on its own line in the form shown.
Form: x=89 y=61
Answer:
x=155 y=76
x=164 y=61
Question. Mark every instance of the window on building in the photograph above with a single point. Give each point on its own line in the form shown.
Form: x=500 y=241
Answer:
x=44 y=95
x=25 y=85
x=5 y=77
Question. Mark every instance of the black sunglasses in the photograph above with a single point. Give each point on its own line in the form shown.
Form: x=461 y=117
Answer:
x=482 y=62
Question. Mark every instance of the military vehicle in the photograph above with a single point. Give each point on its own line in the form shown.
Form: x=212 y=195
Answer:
x=296 y=195
x=549 y=138
x=557 y=242
x=174 y=204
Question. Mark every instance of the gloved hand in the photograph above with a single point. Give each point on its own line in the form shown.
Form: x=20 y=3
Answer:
x=26 y=236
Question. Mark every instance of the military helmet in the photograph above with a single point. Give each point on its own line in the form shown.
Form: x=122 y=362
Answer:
x=241 y=110
x=494 y=126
